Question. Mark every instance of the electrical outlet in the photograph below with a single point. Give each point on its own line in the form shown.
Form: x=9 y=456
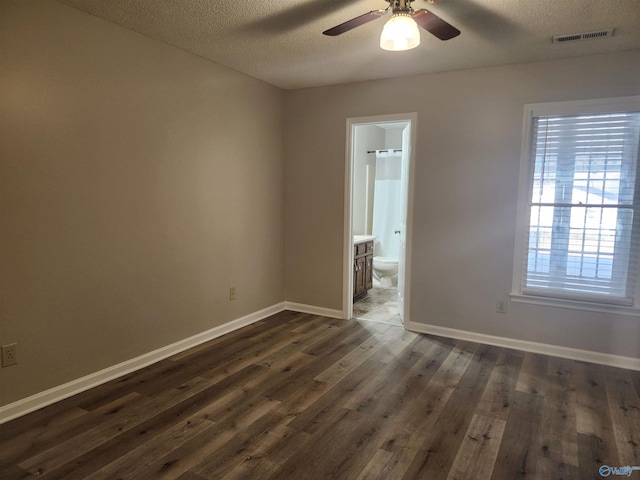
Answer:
x=9 y=355
x=501 y=306
x=232 y=293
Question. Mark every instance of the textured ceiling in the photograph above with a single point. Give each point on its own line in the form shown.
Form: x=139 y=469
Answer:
x=281 y=41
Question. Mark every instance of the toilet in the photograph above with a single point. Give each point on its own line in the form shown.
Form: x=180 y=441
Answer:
x=385 y=271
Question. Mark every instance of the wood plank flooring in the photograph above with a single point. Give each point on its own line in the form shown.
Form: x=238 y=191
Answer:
x=299 y=396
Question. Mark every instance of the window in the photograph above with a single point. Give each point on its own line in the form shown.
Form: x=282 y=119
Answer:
x=578 y=232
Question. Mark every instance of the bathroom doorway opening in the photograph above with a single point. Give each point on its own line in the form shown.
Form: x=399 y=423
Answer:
x=377 y=235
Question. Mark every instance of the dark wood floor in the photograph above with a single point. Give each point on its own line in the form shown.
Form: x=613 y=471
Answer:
x=305 y=397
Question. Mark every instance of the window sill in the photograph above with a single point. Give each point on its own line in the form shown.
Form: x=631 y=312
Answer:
x=575 y=304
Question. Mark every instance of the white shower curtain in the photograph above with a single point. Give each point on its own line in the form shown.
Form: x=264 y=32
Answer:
x=386 y=204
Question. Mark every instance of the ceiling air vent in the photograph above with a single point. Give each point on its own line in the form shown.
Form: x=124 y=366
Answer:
x=583 y=36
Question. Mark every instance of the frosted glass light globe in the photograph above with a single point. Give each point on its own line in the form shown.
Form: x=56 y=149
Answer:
x=400 y=33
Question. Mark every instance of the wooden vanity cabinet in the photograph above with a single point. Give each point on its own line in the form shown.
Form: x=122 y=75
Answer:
x=362 y=268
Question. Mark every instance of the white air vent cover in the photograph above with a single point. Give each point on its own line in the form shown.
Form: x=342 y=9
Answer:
x=583 y=36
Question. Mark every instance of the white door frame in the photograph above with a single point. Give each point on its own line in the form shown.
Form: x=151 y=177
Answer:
x=347 y=277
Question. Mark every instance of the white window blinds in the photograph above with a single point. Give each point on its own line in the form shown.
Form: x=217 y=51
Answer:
x=581 y=236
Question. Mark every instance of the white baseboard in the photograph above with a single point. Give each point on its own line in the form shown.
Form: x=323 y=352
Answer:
x=48 y=397
x=313 y=310
x=620 y=361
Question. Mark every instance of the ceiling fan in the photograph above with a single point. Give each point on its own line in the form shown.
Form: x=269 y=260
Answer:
x=401 y=30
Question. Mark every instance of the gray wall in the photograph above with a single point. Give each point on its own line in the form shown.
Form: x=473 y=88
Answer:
x=369 y=137
x=137 y=183
x=468 y=145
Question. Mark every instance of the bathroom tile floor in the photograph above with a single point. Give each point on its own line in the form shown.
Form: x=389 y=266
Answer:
x=378 y=305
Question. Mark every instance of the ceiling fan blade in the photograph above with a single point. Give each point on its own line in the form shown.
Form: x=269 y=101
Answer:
x=353 y=23
x=435 y=25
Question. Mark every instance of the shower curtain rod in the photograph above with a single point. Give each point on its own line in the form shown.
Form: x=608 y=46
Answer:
x=391 y=150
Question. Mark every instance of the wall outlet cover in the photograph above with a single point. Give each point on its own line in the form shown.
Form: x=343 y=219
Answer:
x=9 y=355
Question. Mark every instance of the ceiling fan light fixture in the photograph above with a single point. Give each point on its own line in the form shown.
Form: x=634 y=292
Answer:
x=400 y=33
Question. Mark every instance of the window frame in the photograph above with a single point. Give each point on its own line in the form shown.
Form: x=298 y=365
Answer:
x=525 y=185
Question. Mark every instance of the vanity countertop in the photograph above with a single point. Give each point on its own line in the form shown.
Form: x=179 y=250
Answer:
x=362 y=238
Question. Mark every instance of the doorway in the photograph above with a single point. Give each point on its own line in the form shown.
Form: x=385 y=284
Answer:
x=378 y=192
